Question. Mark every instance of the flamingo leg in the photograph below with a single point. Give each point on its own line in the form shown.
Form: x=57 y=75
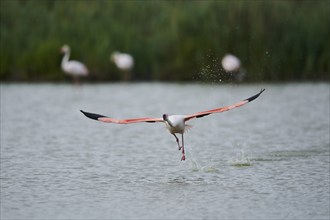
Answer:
x=177 y=141
x=183 y=155
x=76 y=80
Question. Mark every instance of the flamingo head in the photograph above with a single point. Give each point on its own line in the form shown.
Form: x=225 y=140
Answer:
x=65 y=49
x=165 y=117
x=113 y=56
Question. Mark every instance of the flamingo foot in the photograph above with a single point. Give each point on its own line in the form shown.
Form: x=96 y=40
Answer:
x=180 y=148
x=183 y=157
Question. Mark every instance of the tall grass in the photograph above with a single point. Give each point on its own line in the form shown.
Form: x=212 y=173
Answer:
x=170 y=40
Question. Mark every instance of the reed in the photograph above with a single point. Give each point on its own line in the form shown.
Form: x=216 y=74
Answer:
x=170 y=40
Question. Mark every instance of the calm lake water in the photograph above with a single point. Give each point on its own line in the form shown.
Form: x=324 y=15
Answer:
x=266 y=160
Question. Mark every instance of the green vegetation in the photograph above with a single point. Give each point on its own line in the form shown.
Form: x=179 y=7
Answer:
x=170 y=40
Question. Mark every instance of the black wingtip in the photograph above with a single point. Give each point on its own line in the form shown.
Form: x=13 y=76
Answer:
x=92 y=115
x=255 y=96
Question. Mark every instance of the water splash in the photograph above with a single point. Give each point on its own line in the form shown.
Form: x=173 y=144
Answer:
x=240 y=161
x=209 y=169
x=196 y=167
x=211 y=70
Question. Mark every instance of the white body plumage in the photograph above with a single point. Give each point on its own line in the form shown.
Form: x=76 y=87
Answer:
x=175 y=124
x=72 y=67
x=123 y=61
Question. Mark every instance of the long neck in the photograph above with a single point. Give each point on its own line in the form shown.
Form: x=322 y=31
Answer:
x=65 y=58
x=169 y=122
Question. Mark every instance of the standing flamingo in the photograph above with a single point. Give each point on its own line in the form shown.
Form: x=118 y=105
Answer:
x=231 y=64
x=176 y=124
x=72 y=67
x=124 y=63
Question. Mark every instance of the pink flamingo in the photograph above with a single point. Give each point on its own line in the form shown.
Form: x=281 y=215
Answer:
x=232 y=65
x=176 y=124
x=124 y=62
x=72 y=67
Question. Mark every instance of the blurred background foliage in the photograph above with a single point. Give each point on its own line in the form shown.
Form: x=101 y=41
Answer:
x=169 y=40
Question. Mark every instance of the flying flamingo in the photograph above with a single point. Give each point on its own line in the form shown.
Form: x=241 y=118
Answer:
x=72 y=67
x=124 y=63
x=176 y=124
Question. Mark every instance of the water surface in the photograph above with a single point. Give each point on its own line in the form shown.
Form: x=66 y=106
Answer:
x=266 y=160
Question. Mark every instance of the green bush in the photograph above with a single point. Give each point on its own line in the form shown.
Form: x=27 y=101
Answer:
x=170 y=40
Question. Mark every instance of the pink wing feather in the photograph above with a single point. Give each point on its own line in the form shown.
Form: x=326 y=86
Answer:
x=222 y=109
x=103 y=118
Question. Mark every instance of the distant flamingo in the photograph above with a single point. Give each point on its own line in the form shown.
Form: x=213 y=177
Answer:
x=124 y=63
x=72 y=67
x=231 y=64
x=174 y=123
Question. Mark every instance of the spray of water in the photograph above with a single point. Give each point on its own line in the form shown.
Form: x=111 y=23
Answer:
x=241 y=160
x=195 y=166
x=211 y=70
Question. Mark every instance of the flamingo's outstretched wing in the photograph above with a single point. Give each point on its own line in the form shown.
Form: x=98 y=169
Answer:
x=103 y=118
x=223 y=109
